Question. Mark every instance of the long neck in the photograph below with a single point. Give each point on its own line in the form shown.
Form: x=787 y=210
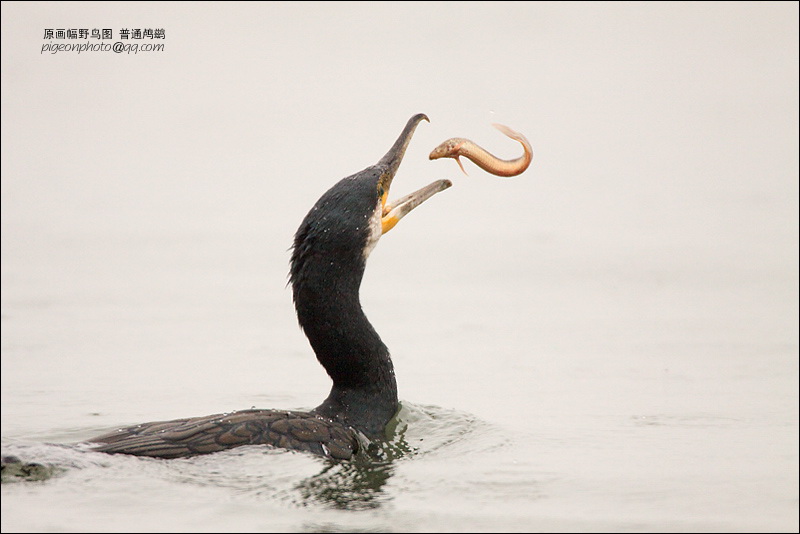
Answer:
x=364 y=392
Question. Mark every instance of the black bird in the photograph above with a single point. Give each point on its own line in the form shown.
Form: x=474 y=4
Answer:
x=327 y=264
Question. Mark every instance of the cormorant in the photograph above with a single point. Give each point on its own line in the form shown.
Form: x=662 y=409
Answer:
x=328 y=258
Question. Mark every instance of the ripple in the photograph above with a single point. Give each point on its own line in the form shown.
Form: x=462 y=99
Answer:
x=41 y=461
x=292 y=478
x=684 y=420
x=431 y=429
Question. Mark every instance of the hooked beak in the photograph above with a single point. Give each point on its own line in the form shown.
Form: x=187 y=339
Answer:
x=394 y=211
x=391 y=161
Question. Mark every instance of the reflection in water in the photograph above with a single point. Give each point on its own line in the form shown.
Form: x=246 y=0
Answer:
x=347 y=485
x=358 y=484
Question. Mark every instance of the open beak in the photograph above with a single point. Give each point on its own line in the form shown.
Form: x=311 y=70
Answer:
x=394 y=211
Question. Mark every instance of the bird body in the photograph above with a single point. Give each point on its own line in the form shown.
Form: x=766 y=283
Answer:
x=181 y=438
x=327 y=265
